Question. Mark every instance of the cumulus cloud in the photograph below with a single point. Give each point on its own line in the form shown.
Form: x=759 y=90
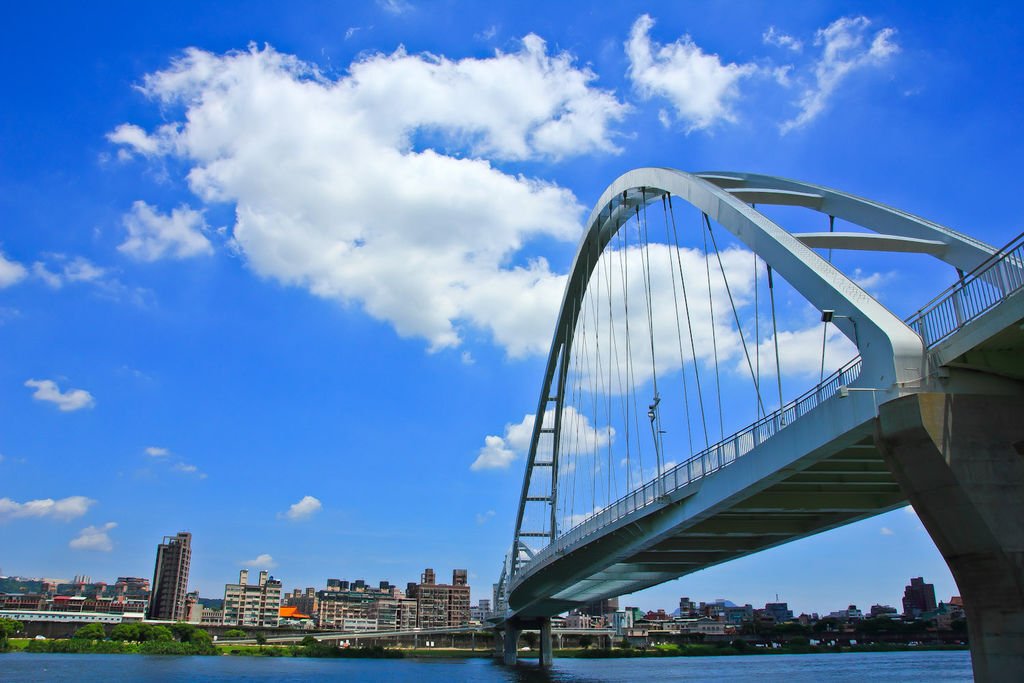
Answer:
x=153 y=235
x=261 y=561
x=67 y=401
x=360 y=189
x=132 y=138
x=187 y=468
x=11 y=272
x=699 y=86
x=800 y=352
x=304 y=509
x=94 y=538
x=395 y=7
x=484 y=517
x=499 y=452
x=157 y=451
x=63 y=509
x=68 y=270
x=779 y=39
x=846 y=47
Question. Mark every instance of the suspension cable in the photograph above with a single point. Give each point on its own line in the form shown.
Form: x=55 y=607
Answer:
x=775 y=336
x=689 y=324
x=714 y=337
x=735 y=315
x=679 y=331
x=757 y=329
x=824 y=327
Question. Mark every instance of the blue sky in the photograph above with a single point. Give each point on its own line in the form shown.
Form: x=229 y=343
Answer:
x=272 y=273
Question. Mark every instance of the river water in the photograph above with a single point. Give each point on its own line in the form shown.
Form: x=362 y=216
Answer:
x=835 y=668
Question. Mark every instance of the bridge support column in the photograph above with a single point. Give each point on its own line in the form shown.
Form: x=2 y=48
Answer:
x=960 y=460
x=547 y=655
x=511 y=638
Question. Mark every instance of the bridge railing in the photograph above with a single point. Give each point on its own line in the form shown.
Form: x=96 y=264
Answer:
x=996 y=278
x=704 y=463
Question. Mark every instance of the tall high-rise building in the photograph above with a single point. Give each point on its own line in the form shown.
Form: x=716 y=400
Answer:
x=918 y=597
x=170 y=578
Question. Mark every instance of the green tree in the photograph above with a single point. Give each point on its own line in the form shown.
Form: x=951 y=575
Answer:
x=261 y=640
x=825 y=625
x=125 y=631
x=586 y=641
x=8 y=627
x=91 y=632
x=530 y=638
x=182 y=631
x=235 y=633
x=309 y=641
x=202 y=642
x=158 y=634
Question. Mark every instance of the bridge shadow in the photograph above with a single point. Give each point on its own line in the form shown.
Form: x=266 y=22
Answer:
x=530 y=671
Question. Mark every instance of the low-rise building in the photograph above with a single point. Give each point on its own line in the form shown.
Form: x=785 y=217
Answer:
x=441 y=605
x=246 y=604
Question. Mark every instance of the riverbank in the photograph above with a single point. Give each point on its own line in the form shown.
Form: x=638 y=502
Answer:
x=322 y=650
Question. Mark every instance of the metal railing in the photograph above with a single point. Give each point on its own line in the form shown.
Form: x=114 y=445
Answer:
x=995 y=279
x=975 y=293
x=702 y=464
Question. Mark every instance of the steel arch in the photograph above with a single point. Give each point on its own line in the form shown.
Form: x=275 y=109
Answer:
x=892 y=353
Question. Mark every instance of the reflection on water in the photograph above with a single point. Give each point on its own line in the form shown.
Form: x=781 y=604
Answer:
x=881 y=666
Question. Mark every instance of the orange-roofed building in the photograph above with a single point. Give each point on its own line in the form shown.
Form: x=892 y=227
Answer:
x=291 y=617
x=291 y=613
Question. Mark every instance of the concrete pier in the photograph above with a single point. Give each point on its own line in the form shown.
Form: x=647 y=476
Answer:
x=547 y=655
x=511 y=642
x=960 y=460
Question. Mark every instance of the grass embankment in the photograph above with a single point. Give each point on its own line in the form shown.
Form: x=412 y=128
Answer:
x=725 y=650
x=322 y=650
x=107 y=647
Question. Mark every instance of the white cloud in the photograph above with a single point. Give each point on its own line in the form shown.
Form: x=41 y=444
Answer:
x=261 y=561
x=358 y=189
x=484 y=517
x=63 y=509
x=872 y=282
x=74 y=270
x=157 y=451
x=395 y=7
x=186 y=468
x=304 y=509
x=494 y=455
x=499 y=452
x=844 y=49
x=11 y=272
x=153 y=235
x=773 y=37
x=700 y=87
x=800 y=353
x=131 y=137
x=94 y=538
x=886 y=531
x=59 y=270
x=68 y=401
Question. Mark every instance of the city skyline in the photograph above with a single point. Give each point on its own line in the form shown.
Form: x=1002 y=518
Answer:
x=208 y=311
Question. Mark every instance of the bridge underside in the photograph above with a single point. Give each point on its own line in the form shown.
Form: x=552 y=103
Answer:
x=766 y=498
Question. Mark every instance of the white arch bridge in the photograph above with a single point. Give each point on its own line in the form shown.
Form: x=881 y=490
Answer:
x=664 y=441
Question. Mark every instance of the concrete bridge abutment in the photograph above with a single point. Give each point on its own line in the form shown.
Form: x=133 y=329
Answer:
x=959 y=459
x=510 y=633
